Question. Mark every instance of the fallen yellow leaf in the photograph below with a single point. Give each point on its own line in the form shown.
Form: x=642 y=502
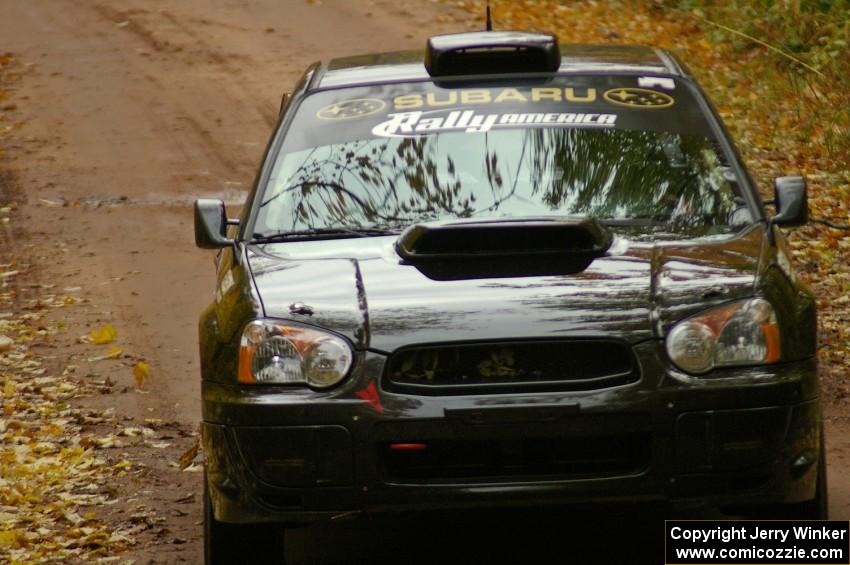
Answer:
x=141 y=372
x=104 y=334
x=189 y=455
x=113 y=353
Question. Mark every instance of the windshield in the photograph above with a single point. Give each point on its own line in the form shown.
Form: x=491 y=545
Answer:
x=384 y=170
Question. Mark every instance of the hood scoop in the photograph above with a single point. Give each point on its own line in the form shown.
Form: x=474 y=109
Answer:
x=503 y=248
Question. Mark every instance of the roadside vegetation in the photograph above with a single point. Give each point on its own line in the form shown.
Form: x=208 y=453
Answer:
x=779 y=73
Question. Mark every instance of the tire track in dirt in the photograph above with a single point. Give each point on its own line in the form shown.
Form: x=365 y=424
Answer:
x=231 y=65
x=127 y=19
x=226 y=64
x=216 y=152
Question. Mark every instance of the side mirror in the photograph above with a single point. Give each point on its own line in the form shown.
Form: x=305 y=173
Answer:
x=284 y=102
x=211 y=224
x=792 y=202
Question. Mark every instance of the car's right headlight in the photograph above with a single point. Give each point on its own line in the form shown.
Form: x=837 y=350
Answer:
x=276 y=352
x=740 y=333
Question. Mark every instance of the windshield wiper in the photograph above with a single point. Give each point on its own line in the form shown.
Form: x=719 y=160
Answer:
x=322 y=233
x=632 y=222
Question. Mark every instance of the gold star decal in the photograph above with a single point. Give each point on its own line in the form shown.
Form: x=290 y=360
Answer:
x=351 y=109
x=638 y=98
x=622 y=95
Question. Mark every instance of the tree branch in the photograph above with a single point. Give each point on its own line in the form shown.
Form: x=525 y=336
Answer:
x=763 y=44
x=830 y=224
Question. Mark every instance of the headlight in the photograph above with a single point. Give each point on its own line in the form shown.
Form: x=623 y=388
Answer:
x=742 y=333
x=280 y=353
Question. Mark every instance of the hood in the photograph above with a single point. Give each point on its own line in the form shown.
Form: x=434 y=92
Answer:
x=361 y=288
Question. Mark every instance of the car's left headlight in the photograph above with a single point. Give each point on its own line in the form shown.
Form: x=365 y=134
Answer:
x=740 y=333
x=277 y=352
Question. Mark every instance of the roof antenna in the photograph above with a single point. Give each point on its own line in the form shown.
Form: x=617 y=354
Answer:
x=489 y=19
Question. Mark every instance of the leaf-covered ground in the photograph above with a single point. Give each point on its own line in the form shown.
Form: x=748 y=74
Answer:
x=51 y=477
x=75 y=476
x=786 y=118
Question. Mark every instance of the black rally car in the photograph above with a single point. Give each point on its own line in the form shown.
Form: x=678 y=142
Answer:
x=503 y=272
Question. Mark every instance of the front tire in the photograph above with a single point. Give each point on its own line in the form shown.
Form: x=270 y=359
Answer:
x=226 y=544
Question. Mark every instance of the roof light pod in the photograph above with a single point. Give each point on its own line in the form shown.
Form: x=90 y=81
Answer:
x=492 y=52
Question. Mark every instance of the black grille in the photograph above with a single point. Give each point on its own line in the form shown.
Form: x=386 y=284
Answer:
x=519 y=459
x=472 y=368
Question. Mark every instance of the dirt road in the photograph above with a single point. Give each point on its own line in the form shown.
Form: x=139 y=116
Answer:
x=131 y=109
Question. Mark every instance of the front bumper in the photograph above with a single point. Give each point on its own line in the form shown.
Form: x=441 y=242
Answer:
x=297 y=456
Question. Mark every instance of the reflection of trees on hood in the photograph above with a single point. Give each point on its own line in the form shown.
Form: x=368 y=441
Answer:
x=395 y=182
